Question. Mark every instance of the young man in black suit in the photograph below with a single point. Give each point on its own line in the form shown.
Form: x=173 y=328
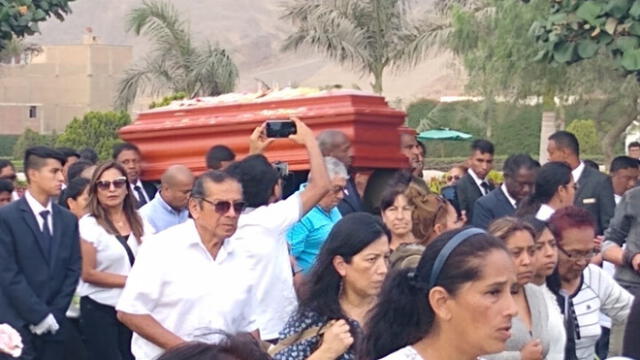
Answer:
x=39 y=259
x=519 y=178
x=595 y=191
x=129 y=156
x=474 y=184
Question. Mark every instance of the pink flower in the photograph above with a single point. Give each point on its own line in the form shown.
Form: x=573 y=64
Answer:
x=10 y=341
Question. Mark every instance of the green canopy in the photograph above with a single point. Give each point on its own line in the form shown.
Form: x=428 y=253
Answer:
x=443 y=134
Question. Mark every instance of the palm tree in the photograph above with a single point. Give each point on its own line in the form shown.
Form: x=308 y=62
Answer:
x=17 y=51
x=175 y=64
x=367 y=35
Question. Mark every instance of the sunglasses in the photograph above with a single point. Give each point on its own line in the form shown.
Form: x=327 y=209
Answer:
x=454 y=177
x=9 y=177
x=117 y=183
x=222 y=207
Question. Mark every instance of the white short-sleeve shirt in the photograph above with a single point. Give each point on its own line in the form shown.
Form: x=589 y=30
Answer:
x=178 y=283
x=111 y=257
x=262 y=238
x=406 y=353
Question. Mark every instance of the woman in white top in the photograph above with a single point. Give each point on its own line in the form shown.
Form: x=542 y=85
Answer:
x=456 y=304
x=110 y=235
x=554 y=189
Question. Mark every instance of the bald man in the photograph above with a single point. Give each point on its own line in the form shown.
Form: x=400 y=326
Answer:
x=169 y=207
x=336 y=144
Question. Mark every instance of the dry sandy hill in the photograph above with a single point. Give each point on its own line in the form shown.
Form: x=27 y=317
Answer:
x=252 y=30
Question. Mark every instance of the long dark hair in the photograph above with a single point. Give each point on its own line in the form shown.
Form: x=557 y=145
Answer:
x=403 y=315
x=348 y=237
x=129 y=205
x=231 y=347
x=550 y=177
x=73 y=191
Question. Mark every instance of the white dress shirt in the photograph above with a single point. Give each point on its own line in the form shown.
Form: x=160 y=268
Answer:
x=111 y=257
x=577 y=172
x=478 y=181
x=545 y=212
x=503 y=187
x=37 y=208
x=178 y=282
x=135 y=193
x=262 y=238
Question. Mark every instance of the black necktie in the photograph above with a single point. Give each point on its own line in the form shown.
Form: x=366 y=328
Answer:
x=46 y=234
x=141 y=199
x=486 y=187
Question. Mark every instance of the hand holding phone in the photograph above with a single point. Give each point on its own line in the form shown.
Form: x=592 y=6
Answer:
x=280 y=128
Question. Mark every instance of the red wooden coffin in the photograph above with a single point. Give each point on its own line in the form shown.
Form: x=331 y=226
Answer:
x=182 y=132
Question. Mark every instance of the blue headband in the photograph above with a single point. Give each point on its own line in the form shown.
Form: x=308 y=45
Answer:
x=447 y=250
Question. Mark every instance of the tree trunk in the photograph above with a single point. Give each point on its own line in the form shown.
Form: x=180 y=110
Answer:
x=619 y=127
x=377 y=81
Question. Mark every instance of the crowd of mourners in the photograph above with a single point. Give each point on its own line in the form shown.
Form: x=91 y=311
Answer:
x=247 y=262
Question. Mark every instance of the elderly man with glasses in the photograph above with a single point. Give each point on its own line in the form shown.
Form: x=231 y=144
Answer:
x=190 y=281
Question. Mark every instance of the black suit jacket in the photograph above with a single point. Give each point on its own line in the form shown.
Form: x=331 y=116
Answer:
x=150 y=189
x=595 y=194
x=467 y=192
x=351 y=202
x=493 y=206
x=31 y=285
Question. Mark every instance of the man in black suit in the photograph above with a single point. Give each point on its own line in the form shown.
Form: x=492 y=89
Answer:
x=595 y=190
x=336 y=144
x=519 y=179
x=129 y=156
x=474 y=184
x=39 y=259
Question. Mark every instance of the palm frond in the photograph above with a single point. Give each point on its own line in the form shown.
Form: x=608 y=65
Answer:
x=213 y=72
x=148 y=76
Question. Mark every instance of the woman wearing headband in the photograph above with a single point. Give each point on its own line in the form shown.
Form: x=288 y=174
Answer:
x=110 y=235
x=456 y=304
x=531 y=336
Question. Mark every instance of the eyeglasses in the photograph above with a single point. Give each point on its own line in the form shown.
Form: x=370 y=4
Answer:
x=577 y=255
x=223 y=207
x=454 y=177
x=339 y=189
x=118 y=183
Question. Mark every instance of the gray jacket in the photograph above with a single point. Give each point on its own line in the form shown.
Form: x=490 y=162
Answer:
x=624 y=228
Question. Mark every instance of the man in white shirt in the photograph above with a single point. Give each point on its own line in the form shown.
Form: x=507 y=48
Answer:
x=262 y=228
x=474 y=184
x=169 y=207
x=190 y=280
x=130 y=157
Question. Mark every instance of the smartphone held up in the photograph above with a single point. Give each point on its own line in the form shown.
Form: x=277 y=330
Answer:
x=280 y=128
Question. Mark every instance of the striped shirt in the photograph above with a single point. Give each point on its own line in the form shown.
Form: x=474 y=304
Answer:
x=598 y=293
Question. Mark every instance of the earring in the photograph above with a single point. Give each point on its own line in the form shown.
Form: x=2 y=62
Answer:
x=341 y=288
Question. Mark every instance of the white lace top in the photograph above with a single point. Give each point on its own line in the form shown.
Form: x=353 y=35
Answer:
x=406 y=353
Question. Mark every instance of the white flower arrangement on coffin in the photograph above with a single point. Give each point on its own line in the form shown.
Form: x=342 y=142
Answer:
x=10 y=341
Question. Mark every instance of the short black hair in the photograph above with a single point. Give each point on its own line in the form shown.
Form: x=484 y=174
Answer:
x=119 y=148
x=6 y=186
x=633 y=144
x=423 y=147
x=231 y=347
x=68 y=152
x=566 y=140
x=217 y=154
x=4 y=163
x=35 y=158
x=77 y=168
x=89 y=154
x=514 y=163
x=73 y=191
x=592 y=164
x=624 y=162
x=483 y=146
x=215 y=176
x=257 y=176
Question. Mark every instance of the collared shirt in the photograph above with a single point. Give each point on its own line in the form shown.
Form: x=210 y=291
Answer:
x=617 y=198
x=503 y=187
x=111 y=257
x=478 y=181
x=307 y=235
x=161 y=215
x=37 y=208
x=135 y=193
x=177 y=282
x=262 y=238
x=545 y=212
x=577 y=172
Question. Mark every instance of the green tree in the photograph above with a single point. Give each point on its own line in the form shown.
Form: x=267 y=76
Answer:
x=21 y=17
x=16 y=48
x=585 y=131
x=369 y=36
x=96 y=130
x=175 y=64
x=31 y=138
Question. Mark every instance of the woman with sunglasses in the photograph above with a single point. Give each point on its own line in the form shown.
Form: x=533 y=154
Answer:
x=456 y=304
x=531 y=333
x=583 y=290
x=110 y=236
x=342 y=287
x=307 y=235
x=554 y=189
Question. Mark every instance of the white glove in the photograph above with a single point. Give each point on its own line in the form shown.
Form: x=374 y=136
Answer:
x=49 y=324
x=10 y=341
